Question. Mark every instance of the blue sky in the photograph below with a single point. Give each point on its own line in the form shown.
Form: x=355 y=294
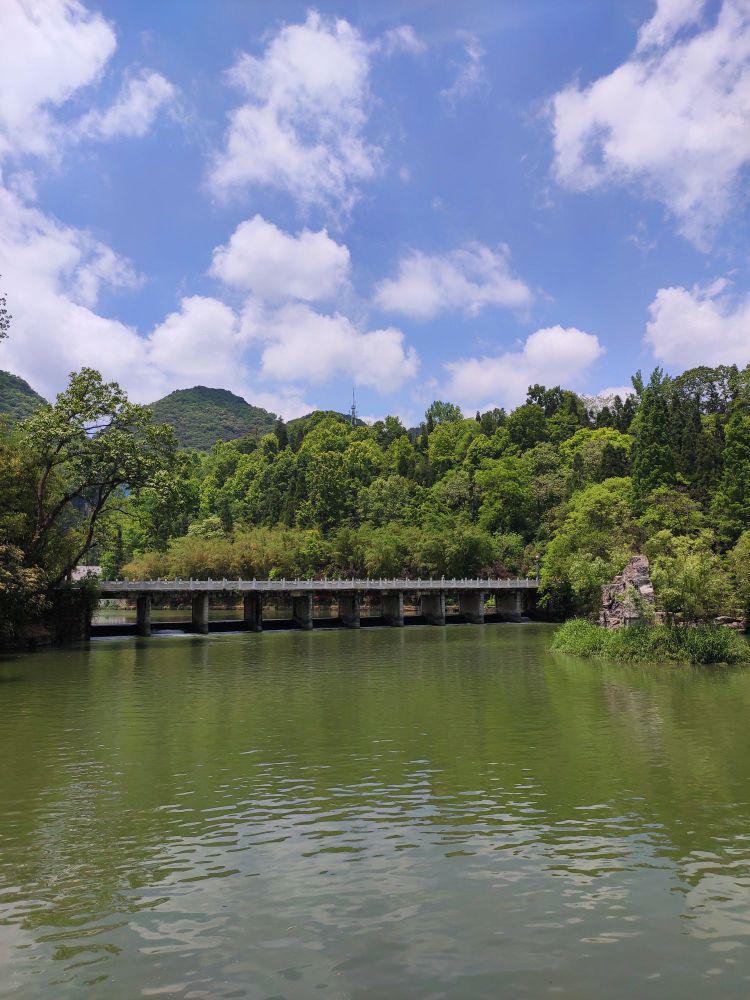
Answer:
x=419 y=199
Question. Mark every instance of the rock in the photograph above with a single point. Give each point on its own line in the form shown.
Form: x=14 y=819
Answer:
x=629 y=598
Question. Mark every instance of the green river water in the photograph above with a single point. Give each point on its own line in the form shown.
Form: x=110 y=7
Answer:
x=420 y=812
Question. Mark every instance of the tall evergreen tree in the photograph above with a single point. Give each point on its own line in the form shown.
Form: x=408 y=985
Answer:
x=653 y=458
x=731 y=503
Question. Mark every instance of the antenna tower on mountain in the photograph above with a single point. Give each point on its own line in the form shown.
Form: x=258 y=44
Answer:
x=353 y=411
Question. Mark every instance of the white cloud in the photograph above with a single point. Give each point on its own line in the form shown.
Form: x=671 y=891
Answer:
x=615 y=390
x=471 y=77
x=102 y=266
x=201 y=341
x=49 y=49
x=52 y=274
x=302 y=345
x=402 y=39
x=301 y=127
x=469 y=279
x=674 y=118
x=703 y=326
x=262 y=259
x=553 y=356
x=134 y=110
x=669 y=18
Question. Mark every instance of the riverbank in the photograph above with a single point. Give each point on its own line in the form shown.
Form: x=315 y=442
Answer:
x=652 y=643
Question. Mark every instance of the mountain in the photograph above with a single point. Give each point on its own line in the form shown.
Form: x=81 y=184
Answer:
x=311 y=420
x=17 y=399
x=202 y=416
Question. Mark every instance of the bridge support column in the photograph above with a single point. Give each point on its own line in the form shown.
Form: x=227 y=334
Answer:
x=349 y=608
x=200 y=613
x=143 y=614
x=393 y=609
x=433 y=608
x=252 y=612
x=509 y=604
x=471 y=606
x=302 y=611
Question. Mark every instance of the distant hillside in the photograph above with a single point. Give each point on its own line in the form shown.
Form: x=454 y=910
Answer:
x=17 y=399
x=312 y=419
x=202 y=416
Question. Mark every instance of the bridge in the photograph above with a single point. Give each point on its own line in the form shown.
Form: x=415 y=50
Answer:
x=386 y=598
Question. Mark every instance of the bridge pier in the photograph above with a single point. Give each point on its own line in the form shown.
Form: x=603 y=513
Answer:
x=349 y=610
x=471 y=606
x=509 y=604
x=252 y=612
x=392 y=608
x=200 y=605
x=302 y=611
x=143 y=615
x=433 y=608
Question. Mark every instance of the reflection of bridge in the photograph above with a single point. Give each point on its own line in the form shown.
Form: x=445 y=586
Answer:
x=511 y=598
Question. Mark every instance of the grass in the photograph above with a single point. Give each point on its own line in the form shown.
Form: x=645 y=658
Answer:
x=652 y=643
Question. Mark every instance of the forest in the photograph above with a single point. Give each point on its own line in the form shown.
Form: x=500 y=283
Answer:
x=554 y=487
x=562 y=487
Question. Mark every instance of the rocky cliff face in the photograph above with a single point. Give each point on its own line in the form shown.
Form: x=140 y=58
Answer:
x=629 y=597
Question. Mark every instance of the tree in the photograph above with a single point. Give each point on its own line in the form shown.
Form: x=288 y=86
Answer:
x=592 y=544
x=279 y=429
x=689 y=579
x=739 y=561
x=21 y=591
x=86 y=449
x=5 y=318
x=439 y=412
x=527 y=426
x=653 y=458
x=731 y=502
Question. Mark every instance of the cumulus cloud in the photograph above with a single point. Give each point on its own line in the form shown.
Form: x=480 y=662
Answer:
x=469 y=279
x=674 y=119
x=200 y=341
x=301 y=127
x=302 y=345
x=49 y=49
x=669 y=18
x=553 y=356
x=52 y=274
x=700 y=326
x=471 y=76
x=134 y=110
x=262 y=259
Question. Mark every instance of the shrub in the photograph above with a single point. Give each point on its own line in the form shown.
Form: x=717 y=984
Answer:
x=702 y=644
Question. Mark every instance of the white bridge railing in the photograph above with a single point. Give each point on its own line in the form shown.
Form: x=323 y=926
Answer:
x=115 y=587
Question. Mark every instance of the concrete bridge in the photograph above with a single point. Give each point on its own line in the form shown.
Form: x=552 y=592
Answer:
x=511 y=598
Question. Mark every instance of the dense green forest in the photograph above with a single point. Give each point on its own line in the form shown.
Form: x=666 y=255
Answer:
x=553 y=486
x=200 y=416
x=556 y=486
x=17 y=399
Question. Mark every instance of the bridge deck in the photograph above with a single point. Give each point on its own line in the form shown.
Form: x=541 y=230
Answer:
x=124 y=588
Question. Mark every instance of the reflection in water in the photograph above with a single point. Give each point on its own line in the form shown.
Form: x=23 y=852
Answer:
x=422 y=812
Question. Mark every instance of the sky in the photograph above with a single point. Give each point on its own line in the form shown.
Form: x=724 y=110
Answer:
x=413 y=199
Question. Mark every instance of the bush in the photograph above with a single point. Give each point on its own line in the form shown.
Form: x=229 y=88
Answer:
x=655 y=643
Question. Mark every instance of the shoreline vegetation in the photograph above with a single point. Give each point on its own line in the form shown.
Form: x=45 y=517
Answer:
x=563 y=486
x=699 y=644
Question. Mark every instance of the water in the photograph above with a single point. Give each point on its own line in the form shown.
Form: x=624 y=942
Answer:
x=420 y=812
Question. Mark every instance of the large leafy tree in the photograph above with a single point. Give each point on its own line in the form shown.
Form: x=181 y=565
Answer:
x=86 y=450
